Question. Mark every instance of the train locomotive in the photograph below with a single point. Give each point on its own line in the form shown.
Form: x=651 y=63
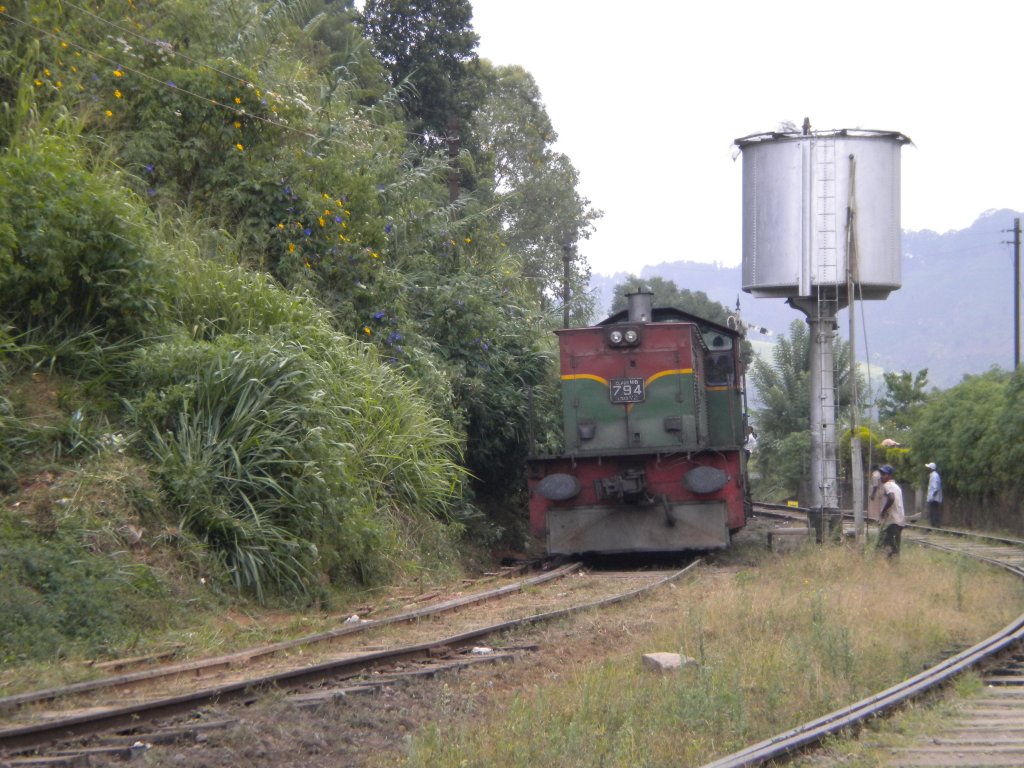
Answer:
x=654 y=426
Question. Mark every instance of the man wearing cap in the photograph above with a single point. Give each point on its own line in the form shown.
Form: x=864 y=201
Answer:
x=891 y=518
x=934 y=497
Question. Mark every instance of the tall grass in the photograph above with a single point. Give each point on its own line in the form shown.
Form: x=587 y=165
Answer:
x=773 y=647
x=291 y=451
x=292 y=454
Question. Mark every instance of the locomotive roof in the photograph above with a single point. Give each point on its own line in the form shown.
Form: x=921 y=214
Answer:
x=669 y=315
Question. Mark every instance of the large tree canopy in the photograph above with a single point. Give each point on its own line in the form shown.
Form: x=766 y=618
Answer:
x=904 y=395
x=426 y=45
x=668 y=294
x=536 y=189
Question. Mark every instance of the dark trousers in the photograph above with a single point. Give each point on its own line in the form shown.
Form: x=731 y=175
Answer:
x=934 y=513
x=889 y=540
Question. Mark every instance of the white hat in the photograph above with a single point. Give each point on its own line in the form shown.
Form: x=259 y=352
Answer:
x=930 y=465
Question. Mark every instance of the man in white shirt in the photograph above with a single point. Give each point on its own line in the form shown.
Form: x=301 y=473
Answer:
x=891 y=517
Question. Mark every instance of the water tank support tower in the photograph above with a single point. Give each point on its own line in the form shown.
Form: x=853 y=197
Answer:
x=821 y=227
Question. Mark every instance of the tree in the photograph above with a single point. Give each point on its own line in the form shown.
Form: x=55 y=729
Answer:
x=783 y=420
x=905 y=394
x=668 y=294
x=511 y=129
x=542 y=215
x=961 y=430
x=428 y=46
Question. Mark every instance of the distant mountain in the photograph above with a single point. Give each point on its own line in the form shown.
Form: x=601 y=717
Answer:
x=953 y=314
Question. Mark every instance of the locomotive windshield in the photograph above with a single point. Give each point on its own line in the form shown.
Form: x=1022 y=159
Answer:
x=716 y=341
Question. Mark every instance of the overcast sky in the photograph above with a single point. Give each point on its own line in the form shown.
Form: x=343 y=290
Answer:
x=647 y=98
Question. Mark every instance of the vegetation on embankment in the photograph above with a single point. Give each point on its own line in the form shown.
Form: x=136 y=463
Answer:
x=263 y=338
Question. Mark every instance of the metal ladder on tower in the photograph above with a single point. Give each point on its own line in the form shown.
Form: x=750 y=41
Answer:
x=828 y=283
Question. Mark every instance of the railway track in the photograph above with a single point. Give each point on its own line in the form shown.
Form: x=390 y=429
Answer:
x=450 y=634
x=990 y=730
x=48 y=727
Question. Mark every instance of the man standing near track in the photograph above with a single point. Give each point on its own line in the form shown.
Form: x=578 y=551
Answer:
x=934 y=497
x=891 y=517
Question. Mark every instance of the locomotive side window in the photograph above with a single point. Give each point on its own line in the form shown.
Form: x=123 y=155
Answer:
x=719 y=370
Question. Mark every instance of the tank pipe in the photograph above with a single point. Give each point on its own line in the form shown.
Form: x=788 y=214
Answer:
x=853 y=279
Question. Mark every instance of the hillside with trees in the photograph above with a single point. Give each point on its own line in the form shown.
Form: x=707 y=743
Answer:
x=277 y=282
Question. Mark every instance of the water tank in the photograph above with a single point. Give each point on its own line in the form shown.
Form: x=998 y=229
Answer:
x=802 y=190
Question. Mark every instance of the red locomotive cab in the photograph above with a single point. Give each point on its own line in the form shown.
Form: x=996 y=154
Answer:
x=653 y=435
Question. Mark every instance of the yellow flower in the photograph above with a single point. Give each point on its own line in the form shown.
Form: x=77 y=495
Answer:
x=280 y=226
x=239 y=147
x=108 y=113
x=375 y=254
x=37 y=82
x=237 y=100
x=62 y=43
x=237 y=124
x=321 y=222
x=74 y=68
x=468 y=240
x=342 y=237
x=118 y=73
x=291 y=247
x=46 y=71
x=117 y=94
x=367 y=331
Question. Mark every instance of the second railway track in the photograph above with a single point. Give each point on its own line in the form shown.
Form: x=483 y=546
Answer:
x=968 y=742
x=36 y=720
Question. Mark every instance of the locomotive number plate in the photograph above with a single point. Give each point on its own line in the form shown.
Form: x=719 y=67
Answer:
x=626 y=390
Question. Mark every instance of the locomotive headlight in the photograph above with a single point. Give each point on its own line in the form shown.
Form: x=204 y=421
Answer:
x=631 y=336
x=615 y=337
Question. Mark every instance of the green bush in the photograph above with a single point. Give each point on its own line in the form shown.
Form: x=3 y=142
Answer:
x=292 y=452
x=56 y=599
x=73 y=250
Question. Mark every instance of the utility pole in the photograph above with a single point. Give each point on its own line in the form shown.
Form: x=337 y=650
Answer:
x=1016 y=294
x=566 y=272
x=852 y=283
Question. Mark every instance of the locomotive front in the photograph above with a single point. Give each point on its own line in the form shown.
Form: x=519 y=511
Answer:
x=653 y=427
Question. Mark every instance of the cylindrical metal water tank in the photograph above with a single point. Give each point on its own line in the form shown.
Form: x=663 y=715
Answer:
x=801 y=193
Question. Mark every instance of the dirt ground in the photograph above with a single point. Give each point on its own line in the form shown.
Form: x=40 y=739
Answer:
x=373 y=729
